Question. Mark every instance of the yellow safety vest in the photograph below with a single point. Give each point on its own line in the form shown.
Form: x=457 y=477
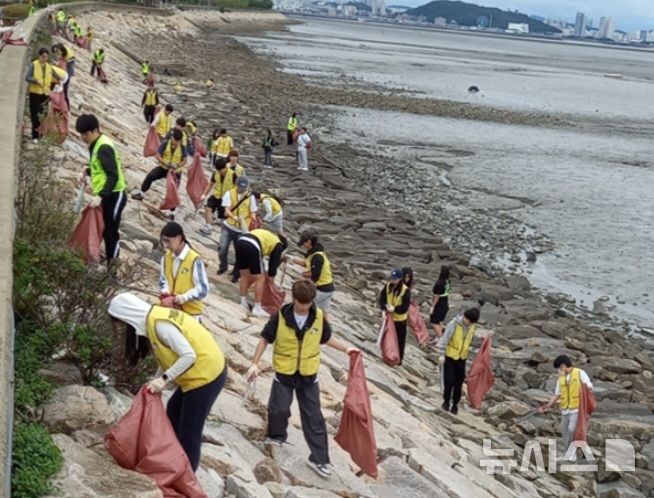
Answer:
x=325 y=277
x=210 y=360
x=98 y=57
x=164 y=123
x=222 y=146
x=570 y=392
x=145 y=69
x=223 y=183
x=173 y=157
x=276 y=206
x=459 y=346
x=395 y=300
x=292 y=124
x=183 y=281
x=150 y=97
x=243 y=210
x=61 y=16
x=238 y=169
x=98 y=174
x=290 y=355
x=70 y=55
x=43 y=77
x=267 y=240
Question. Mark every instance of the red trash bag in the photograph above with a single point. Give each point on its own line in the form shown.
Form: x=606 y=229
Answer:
x=356 y=431
x=480 y=376
x=152 y=143
x=417 y=324
x=273 y=297
x=143 y=440
x=101 y=75
x=255 y=223
x=172 y=200
x=55 y=123
x=390 y=346
x=196 y=181
x=587 y=405
x=62 y=64
x=200 y=148
x=88 y=233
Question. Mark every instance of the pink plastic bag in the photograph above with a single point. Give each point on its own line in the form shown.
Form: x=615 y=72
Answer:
x=390 y=346
x=55 y=123
x=356 y=432
x=273 y=297
x=88 y=233
x=101 y=75
x=199 y=146
x=152 y=143
x=172 y=200
x=417 y=324
x=143 y=440
x=480 y=376
x=196 y=181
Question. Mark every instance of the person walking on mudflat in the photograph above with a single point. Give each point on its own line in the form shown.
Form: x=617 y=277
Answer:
x=303 y=146
x=395 y=298
x=290 y=128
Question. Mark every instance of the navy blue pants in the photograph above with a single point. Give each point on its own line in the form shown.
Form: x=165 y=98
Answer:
x=187 y=413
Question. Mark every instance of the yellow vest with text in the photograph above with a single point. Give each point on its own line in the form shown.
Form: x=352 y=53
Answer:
x=290 y=355
x=459 y=346
x=395 y=300
x=44 y=77
x=274 y=204
x=98 y=174
x=325 y=277
x=209 y=362
x=570 y=392
x=267 y=240
x=151 y=97
x=243 y=210
x=183 y=281
x=223 y=183
x=164 y=123
x=173 y=157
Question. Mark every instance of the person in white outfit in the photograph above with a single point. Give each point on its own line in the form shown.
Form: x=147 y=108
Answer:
x=303 y=146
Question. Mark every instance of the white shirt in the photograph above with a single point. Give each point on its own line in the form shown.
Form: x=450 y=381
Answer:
x=200 y=282
x=173 y=338
x=267 y=206
x=227 y=202
x=303 y=140
x=583 y=376
x=300 y=320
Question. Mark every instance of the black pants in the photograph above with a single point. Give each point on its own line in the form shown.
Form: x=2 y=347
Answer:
x=148 y=113
x=289 y=137
x=37 y=107
x=455 y=373
x=94 y=68
x=112 y=209
x=66 y=92
x=155 y=174
x=400 y=327
x=187 y=413
x=313 y=423
x=267 y=156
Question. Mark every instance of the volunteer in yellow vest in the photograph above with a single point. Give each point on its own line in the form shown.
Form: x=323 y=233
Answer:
x=221 y=145
x=107 y=180
x=67 y=54
x=182 y=125
x=32 y=9
x=290 y=128
x=296 y=333
x=149 y=103
x=318 y=269
x=89 y=37
x=97 y=61
x=61 y=21
x=183 y=276
x=163 y=121
x=145 y=68
x=240 y=209
x=70 y=28
x=41 y=75
x=395 y=298
x=171 y=156
x=222 y=181
x=454 y=349
x=233 y=163
x=567 y=393
x=188 y=356
x=251 y=248
x=272 y=215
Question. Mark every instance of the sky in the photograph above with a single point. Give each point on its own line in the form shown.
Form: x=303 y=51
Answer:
x=629 y=15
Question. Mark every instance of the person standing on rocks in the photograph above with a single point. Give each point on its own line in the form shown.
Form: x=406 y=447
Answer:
x=395 y=298
x=318 y=269
x=251 y=248
x=290 y=128
x=303 y=146
x=182 y=276
x=149 y=103
x=273 y=216
x=163 y=121
x=222 y=181
x=233 y=163
x=145 y=70
x=268 y=144
x=567 y=393
x=297 y=332
x=222 y=145
x=454 y=350
x=188 y=356
x=65 y=53
x=107 y=180
x=61 y=21
x=240 y=209
x=440 y=302
x=97 y=61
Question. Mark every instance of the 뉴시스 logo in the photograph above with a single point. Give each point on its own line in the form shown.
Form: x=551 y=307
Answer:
x=619 y=456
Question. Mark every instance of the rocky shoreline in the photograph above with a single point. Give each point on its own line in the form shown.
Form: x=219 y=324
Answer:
x=421 y=448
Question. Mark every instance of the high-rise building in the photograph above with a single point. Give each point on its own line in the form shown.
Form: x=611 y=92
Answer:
x=606 y=28
x=580 y=24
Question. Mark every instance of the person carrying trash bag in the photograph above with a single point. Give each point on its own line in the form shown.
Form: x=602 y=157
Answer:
x=395 y=298
x=107 y=180
x=318 y=269
x=222 y=181
x=188 y=356
x=183 y=279
x=454 y=349
x=251 y=248
x=149 y=103
x=163 y=121
x=297 y=333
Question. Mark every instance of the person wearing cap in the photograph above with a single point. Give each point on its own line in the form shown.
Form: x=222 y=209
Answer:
x=183 y=276
x=273 y=217
x=107 y=180
x=240 y=209
x=318 y=269
x=188 y=356
x=395 y=298
x=303 y=146
x=454 y=349
x=149 y=103
x=222 y=144
x=233 y=163
x=222 y=181
x=297 y=333
x=163 y=121
x=251 y=248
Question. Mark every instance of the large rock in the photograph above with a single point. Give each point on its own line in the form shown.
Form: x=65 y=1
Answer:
x=72 y=408
x=212 y=483
x=397 y=478
x=508 y=409
x=300 y=492
x=86 y=474
x=246 y=489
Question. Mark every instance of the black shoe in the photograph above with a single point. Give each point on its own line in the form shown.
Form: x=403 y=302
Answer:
x=454 y=410
x=445 y=406
x=221 y=271
x=235 y=279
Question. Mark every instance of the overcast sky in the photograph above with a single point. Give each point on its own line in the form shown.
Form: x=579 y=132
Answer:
x=630 y=15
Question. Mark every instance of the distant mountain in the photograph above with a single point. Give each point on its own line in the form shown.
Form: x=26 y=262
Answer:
x=467 y=14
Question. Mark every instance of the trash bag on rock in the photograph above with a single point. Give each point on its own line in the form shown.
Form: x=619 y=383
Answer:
x=273 y=297
x=417 y=324
x=152 y=143
x=101 y=75
x=172 y=200
x=196 y=181
x=88 y=233
x=480 y=376
x=390 y=347
x=56 y=122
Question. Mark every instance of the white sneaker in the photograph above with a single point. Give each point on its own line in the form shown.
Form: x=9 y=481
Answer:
x=35 y=140
x=205 y=230
x=259 y=311
x=303 y=169
x=322 y=469
x=245 y=305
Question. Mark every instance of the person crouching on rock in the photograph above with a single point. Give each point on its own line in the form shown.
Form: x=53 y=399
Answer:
x=454 y=349
x=395 y=298
x=296 y=333
x=183 y=278
x=187 y=354
x=251 y=248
